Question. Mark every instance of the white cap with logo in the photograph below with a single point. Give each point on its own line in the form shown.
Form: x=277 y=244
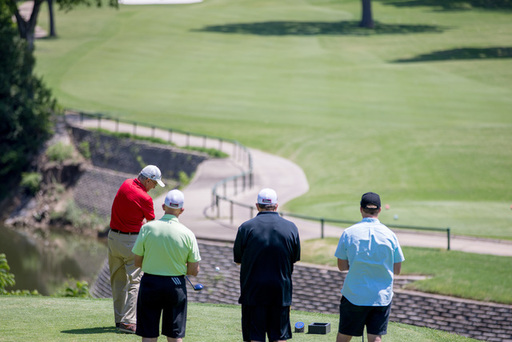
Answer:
x=174 y=199
x=267 y=196
x=152 y=172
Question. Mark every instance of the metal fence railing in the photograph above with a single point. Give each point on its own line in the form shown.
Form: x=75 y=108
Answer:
x=239 y=153
x=321 y=220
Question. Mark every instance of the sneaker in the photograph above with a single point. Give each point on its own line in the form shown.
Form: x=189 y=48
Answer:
x=127 y=328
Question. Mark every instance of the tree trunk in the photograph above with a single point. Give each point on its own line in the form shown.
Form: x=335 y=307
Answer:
x=52 y=19
x=367 y=19
x=26 y=28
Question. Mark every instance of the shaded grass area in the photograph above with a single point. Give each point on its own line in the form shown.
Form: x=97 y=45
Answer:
x=466 y=275
x=73 y=319
x=453 y=4
x=461 y=54
x=297 y=28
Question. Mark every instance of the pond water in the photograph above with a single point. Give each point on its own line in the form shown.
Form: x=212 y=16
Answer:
x=47 y=266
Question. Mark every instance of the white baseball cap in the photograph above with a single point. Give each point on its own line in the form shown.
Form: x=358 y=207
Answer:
x=267 y=196
x=174 y=199
x=152 y=172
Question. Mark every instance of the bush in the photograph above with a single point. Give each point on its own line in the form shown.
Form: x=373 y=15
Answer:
x=31 y=181
x=59 y=152
x=85 y=149
x=7 y=279
x=79 y=289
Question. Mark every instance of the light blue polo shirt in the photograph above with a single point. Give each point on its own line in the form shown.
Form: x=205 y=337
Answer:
x=371 y=249
x=167 y=246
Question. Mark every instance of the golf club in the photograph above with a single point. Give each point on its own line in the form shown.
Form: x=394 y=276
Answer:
x=196 y=287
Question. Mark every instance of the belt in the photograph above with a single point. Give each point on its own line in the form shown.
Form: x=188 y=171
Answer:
x=126 y=233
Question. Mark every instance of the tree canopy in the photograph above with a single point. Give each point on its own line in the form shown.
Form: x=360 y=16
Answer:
x=26 y=105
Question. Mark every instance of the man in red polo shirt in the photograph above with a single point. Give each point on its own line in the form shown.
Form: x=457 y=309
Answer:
x=131 y=208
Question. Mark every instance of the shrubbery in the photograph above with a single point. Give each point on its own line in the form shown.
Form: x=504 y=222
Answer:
x=31 y=181
x=26 y=105
x=7 y=280
x=59 y=152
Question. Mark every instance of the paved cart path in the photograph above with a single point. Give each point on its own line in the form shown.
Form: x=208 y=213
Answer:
x=271 y=171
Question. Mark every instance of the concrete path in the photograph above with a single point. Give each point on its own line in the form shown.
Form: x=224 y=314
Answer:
x=221 y=223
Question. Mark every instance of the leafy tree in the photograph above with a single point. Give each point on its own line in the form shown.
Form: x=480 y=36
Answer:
x=26 y=28
x=26 y=105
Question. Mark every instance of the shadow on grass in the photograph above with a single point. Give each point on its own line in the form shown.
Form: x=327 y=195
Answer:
x=90 y=331
x=453 y=5
x=312 y=28
x=461 y=54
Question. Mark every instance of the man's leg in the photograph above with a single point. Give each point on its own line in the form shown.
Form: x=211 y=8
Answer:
x=132 y=290
x=374 y=338
x=118 y=277
x=132 y=278
x=343 y=338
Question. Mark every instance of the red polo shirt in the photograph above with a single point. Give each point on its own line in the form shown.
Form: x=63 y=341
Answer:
x=131 y=205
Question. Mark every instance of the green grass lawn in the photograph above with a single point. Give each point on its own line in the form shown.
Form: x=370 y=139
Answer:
x=72 y=319
x=298 y=78
x=466 y=275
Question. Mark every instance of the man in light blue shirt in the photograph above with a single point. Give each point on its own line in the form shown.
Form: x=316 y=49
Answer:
x=371 y=253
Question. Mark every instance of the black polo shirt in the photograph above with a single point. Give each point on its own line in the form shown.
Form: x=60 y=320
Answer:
x=266 y=246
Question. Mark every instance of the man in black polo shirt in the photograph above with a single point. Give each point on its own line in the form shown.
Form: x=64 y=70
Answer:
x=266 y=247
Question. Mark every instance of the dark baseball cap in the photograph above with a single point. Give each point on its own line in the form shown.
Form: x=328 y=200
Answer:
x=370 y=200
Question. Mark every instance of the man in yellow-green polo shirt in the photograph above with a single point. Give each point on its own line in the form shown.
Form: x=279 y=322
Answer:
x=167 y=251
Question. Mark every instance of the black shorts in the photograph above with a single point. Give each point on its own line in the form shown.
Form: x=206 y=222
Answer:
x=258 y=321
x=353 y=318
x=159 y=294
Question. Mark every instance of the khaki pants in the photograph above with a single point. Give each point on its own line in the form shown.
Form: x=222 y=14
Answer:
x=124 y=277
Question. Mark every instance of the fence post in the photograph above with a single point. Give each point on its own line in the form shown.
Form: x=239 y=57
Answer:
x=217 y=205
x=169 y=139
x=231 y=211
x=153 y=132
x=322 y=227
x=134 y=128
x=448 y=236
x=99 y=120
x=235 y=182
x=188 y=139
x=81 y=118
x=117 y=125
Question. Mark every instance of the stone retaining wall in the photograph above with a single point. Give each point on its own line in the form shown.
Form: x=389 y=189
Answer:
x=130 y=156
x=317 y=289
x=96 y=188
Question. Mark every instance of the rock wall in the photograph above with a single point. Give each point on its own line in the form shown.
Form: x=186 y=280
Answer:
x=130 y=156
